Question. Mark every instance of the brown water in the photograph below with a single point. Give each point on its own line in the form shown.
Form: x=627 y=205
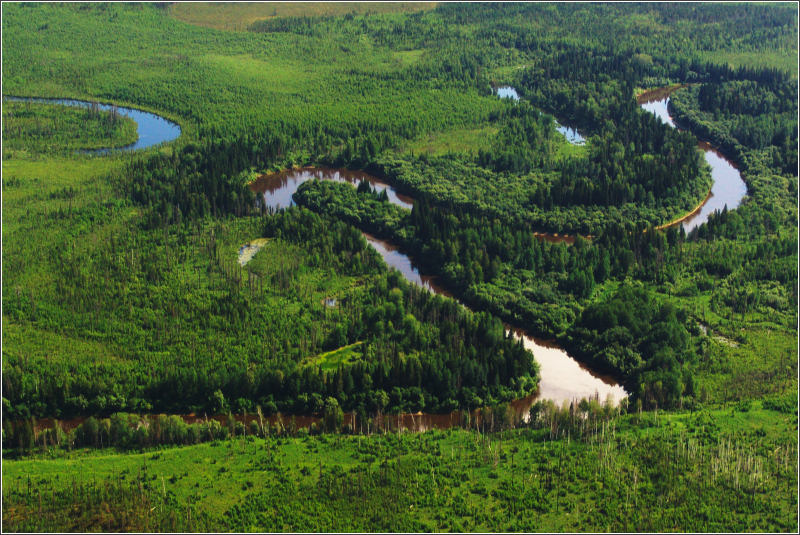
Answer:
x=278 y=188
x=401 y=262
x=562 y=377
x=728 y=188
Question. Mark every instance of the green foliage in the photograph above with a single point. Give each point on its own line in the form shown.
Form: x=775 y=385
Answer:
x=122 y=294
x=44 y=128
x=579 y=468
x=632 y=336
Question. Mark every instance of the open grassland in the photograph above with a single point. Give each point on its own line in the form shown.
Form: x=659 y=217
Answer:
x=714 y=470
x=330 y=360
x=785 y=60
x=462 y=140
x=241 y=15
x=212 y=78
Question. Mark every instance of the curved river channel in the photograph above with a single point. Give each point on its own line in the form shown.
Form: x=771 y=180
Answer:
x=151 y=128
x=562 y=378
x=728 y=188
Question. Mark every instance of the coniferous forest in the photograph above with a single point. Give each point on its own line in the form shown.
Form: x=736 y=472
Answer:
x=540 y=305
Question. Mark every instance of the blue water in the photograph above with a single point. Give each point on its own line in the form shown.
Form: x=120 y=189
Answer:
x=728 y=188
x=571 y=134
x=153 y=130
x=507 y=92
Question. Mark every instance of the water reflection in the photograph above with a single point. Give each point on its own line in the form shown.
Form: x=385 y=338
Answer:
x=562 y=378
x=507 y=92
x=278 y=188
x=571 y=134
x=152 y=129
x=728 y=188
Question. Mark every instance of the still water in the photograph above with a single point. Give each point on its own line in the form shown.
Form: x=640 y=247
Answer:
x=728 y=188
x=152 y=129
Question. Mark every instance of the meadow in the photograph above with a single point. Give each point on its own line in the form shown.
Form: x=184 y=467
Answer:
x=42 y=128
x=123 y=296
x=709 y=471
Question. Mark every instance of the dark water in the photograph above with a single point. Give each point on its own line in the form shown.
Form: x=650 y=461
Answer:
x=562 y=378
x=153 y=130
x=402 y=262
x=278 y=188
x=728 y=188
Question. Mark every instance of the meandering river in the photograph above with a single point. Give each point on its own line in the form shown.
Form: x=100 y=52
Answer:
x=562 y=378
x=152 y=129
x=728 y=188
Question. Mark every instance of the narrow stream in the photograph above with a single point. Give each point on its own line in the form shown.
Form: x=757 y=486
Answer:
x=278 y=188
x=571 y=134
x=728 y=188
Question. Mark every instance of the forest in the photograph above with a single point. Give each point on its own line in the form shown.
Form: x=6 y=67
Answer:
x=137 y=338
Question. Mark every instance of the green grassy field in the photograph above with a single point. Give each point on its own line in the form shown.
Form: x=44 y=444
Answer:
x=42 y=128
x=722 y=469
x=241 y=15
x=330 y=360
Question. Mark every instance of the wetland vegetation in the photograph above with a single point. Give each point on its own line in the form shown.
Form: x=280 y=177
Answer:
x=154 y=381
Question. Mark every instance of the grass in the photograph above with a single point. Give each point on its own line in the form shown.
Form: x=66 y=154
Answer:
x=783 y=60
x=726 y=469
x=408 y=57
x=459 y=140
x=637 y=480
x=331 y=360
x=239 y=16
x=566 y=150
x=38 y=128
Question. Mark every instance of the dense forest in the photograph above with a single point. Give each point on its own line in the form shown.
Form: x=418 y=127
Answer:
x=132 y=321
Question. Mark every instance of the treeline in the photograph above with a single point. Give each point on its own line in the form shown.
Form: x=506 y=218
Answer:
x=127 y=431
x=523 y=143
x=46 y=128
x=632 y=335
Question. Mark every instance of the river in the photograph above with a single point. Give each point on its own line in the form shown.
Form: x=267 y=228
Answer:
x=151 y=128
x=562 y=378
x=728 y=188
x=571 y=134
